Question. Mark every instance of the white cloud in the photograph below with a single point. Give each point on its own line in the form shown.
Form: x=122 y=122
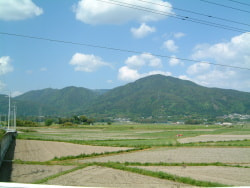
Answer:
x=98 y=12
x=184 y=77
x=137 y=61
x=5 y=66
x=174 y=61
x=198 y=68
x=128 y=74
x=87 y=63
x=16 y=93
x=142 y=31
x=235 y=52
x=170 y=46
x=18 y=9
x=179 y=35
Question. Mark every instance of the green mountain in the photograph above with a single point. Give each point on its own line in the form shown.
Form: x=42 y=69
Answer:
x=64 y=101
x=157 y=96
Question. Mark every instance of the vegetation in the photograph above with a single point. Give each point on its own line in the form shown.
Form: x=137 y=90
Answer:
x=151 y=99
x=2 y=132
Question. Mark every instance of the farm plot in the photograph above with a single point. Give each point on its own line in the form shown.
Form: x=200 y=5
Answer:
x=22 y=173
x=182 y=154
x=214 y=138
x=225 y=175
x=34 y=150
x=106 y=177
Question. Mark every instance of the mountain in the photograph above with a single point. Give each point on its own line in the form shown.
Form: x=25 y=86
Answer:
x=157 y=96
x=64 y=101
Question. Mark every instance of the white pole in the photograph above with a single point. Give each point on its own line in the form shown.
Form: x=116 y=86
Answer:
x=9 y=114
x=15 y=117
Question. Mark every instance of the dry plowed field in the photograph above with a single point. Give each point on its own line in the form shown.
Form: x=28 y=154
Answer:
x=106 y=177
x=30 y=173
x=225 y=175
x=182 y=154
x=34 y=150
x=214 y=138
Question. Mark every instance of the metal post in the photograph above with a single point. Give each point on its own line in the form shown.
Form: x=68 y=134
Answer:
x=14 y=117
x=9 y=114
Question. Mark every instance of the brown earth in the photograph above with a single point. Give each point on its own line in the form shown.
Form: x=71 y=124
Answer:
x=225 y=175
x=182 y=154
x=106 y=177
x=22 y=173
x=206 y=138
x=34 y=150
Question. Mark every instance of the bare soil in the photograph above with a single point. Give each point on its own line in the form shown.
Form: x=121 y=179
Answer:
x=34 y=150
x=106 y=177
x=206 y=138
x=225 y=175
x=182 y=154
x=22 y=173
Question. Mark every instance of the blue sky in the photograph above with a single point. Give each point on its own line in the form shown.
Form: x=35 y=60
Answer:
x=29 y=64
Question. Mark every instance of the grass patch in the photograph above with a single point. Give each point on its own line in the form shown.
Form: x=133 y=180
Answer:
x=94 y=154
x=2 y=133
x=162 y=175
x=44 y=180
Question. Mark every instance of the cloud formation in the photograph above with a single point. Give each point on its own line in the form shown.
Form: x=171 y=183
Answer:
x=137 y=61
x=170 y=46
x=11 y=10
x=130 y=72
x=174 y=61
x=87 y=63
x=142 y=31
x=235 y=52
x=5 y=66
x=98 y=12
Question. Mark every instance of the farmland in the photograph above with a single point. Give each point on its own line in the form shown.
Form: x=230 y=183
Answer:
x=145 y=155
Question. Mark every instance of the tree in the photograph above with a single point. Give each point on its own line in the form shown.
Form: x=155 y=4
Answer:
x=49 y=122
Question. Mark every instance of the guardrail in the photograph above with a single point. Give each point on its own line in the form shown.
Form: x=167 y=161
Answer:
x=5 y=142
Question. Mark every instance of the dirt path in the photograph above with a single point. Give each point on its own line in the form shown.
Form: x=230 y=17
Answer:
x=225 y=175
x=34 y=150
x=106 y=177
x=206 y=138
x=182 y=154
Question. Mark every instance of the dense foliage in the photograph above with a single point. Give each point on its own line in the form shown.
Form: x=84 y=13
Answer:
x=152 y=99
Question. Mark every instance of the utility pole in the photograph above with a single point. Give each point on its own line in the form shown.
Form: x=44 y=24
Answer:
x=9 y=114
x=15 y=117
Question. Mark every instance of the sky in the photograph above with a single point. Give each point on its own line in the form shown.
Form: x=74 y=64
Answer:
x=146 y=39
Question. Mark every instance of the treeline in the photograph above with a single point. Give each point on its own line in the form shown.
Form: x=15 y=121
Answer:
x=47 y=121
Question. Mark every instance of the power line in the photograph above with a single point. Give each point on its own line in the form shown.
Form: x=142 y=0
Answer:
x=185 y=18
x=118 y=49
x=218 y=4
x=239 y=2
x=197 y=13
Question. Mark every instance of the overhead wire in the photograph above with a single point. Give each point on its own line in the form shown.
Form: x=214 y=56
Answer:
x=185 y=18
x=197 y=13
x=119 y=49
x=239 y=2
x=226 y=6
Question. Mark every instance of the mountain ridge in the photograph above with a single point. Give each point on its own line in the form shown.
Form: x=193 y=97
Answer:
x=153 y=96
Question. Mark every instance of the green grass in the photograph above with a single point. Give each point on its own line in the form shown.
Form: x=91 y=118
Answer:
x=94 y=154
x=2 y=133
